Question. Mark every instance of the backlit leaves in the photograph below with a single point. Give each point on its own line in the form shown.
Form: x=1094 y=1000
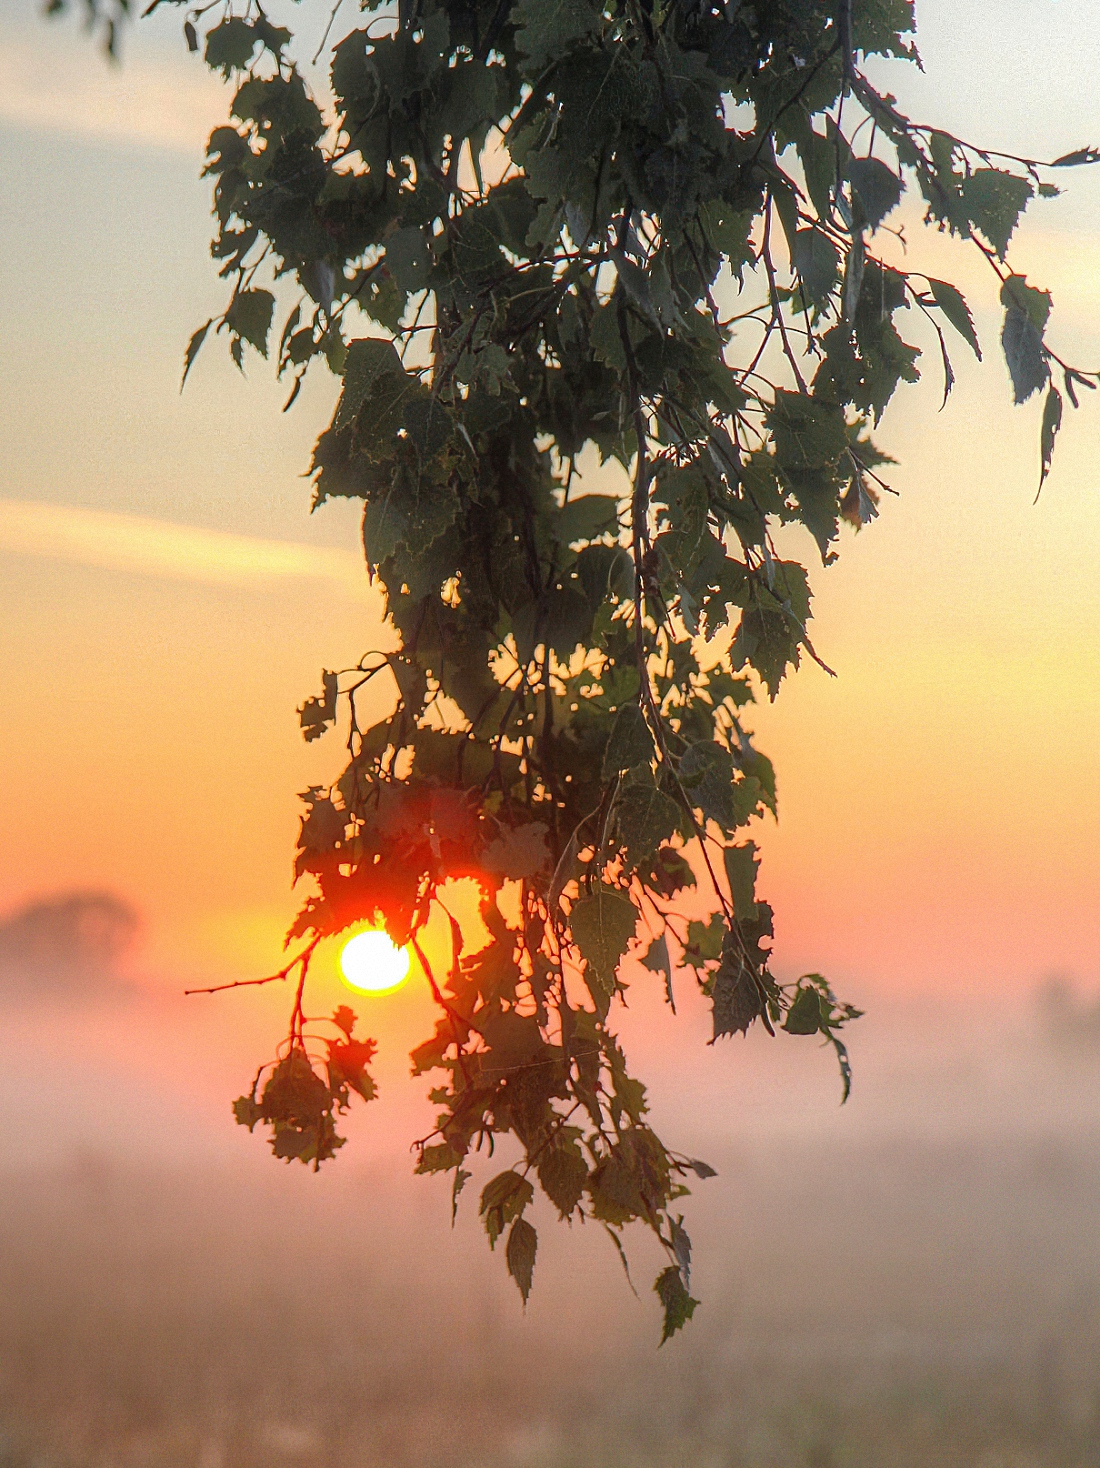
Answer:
x=677 y=1304
x=952 y=303
x=603 y=924
x=249 y=317
x=520 y=1253
x=877 y=189
x=503 y=1200
x=1026 y=312
x=1052 y=421
x=994 y=201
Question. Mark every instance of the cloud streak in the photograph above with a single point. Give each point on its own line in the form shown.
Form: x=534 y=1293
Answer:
x=62 y=88
x=147 y=547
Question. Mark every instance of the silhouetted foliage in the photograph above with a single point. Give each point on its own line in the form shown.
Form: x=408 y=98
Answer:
x=645 y=232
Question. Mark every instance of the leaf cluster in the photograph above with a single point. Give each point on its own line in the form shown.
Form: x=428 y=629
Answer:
x=527 y=234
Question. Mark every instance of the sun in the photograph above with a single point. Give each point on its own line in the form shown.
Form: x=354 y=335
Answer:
x=371 y=963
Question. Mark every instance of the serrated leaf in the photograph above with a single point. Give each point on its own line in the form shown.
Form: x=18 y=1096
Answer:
x=520 y=1253
x=706 y=771
x=658 y=961
x=1023 y=349
x=502 y=1200
x=586 y=518
x=518 y=852
x=249 y=316
x=953 y=305
x=646 y=818
x=804 y=1015
x=809 y=433
x=344 y=1019
x=994 y=201
x=1036 y=304
x=409 y=259
x=439 y=1158
x=742 y=864
x=705 y=940
x=678 y=1305
x=230 y=45
x=630 y=743
x=817 y=261
x=247 y=1111
x=546 y=28
x=563 y=1173
x=681 y=1247
x=368 y=359
x=877 y=189
x=735 y=997
x=1077 y=157
x=602 y=926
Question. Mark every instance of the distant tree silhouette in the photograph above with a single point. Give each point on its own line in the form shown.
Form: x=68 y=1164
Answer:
x=67 y=944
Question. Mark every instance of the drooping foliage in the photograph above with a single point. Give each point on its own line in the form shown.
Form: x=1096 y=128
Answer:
x=533 y=237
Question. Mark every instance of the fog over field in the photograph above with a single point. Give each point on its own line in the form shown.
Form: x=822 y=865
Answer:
x=912 y=1279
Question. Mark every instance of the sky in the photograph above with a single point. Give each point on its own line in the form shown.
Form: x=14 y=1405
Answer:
x=167 y=600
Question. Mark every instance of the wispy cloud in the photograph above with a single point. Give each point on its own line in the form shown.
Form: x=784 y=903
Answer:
x=161 y=548
x=155 y=102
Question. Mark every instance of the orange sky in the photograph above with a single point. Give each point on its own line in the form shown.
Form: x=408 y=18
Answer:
x=939 y=801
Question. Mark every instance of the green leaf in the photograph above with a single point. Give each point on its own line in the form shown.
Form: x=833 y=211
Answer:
x=705 y=940
x=520 y=1253
x=707 y=774
x=1022 y=344
x=742 y=864
x=249 y=316
x=1036 y=304
x=1052 y=421
x=630 y=743
x=440 y=1158
x=700 y=1169
x=563 y=1174
x=518 y=852
x=368 y=359
x=994 y=201
x=587 y=518
x=602 y=926
x=318 y=714
x=502 y=1200
x=735 y=996
x=409 y=259
x=804 y=1015
x=646 y=817
x=678 y=1305
x=545 y=29
x=953 y=305
x=193 y=347
x=1077 y=157
x=877 y=189
x=658 y=961
x=817 y=261
x=809 y=433
x=230 y=45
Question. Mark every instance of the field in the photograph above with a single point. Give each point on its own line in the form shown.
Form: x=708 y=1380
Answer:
x=913 y=1282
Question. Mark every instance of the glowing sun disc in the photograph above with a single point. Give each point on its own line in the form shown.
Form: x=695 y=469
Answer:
x=371 y=963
